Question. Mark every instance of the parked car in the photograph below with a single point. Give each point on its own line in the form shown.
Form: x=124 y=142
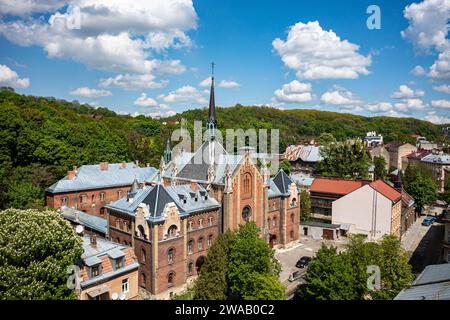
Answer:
x=428 y=221
x=303 y=262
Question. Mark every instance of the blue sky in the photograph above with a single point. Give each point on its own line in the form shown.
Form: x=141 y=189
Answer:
x=153 y=57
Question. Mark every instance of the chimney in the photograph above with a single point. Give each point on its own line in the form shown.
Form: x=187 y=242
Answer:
x=75 y=169
x=94 y=240
x=148 y=165
x=103 y=166
x=71 y=175
x=124 y=165
x=136 y=162
x=193 y=186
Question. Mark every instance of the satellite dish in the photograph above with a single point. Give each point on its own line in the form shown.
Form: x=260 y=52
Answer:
x=115 y=296
x=79 y=229
x=122 y=296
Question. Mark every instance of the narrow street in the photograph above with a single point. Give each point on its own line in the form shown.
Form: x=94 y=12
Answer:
x=423 y=242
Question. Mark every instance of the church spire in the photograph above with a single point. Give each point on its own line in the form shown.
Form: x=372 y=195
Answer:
x=212 y=124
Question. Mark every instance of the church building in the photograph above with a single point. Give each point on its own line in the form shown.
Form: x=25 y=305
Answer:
x=200 y=194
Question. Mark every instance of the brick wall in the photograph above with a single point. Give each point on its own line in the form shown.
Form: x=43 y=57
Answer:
x=84 y=200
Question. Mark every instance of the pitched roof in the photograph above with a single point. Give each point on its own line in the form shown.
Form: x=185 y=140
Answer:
x=157 y=197
x=306 y=153
x=90 y=177
x=432 y=284
x=437 y=158
x=85 y=219
x=282 y=181
x=386 y=190
x=194 y=166
x=101 y=253
x=335 y=185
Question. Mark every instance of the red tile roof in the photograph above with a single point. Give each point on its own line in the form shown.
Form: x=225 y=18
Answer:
x=336 y=186
x=386 y=190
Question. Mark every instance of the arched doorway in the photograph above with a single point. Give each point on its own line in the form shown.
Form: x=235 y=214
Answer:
x=272 y=240
x=199 y=263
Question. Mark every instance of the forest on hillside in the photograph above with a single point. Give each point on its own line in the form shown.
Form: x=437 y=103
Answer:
x=43 y=137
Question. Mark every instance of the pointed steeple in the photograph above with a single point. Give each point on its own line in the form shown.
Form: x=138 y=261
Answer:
x=167 y=152
x=212 y=124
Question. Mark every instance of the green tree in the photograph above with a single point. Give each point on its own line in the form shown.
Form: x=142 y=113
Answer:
x=252 y=266
x=396 y=272
x=286 y=166
x=36 y=248
x=344 y=275
x=212 y=283
x=380 y=167
x=329 y=277
x=423 y=190
x=326 y=138
x=345 y=159
x=305 y=206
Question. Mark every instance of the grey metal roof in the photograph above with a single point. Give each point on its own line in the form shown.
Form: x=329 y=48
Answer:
x=92 y=256
x=282 y=181
x=91 y=177
x=157 y=197
x=194 y=166
x=432 y=284
x=85 y=219
x=302 y=179
x=434 y=273
x=437 y=158
x=116 y=253
x=92 y=261
x=434 y=291
x=307 y=153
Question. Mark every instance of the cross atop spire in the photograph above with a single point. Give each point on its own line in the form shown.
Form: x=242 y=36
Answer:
x=212 y=124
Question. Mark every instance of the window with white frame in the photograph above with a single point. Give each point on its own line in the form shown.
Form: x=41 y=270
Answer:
x=125 y=285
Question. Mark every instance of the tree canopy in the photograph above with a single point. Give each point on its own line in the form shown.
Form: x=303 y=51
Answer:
x=43 y=137
x=419 y=183
x=36 y=249
x=240 y=266
x=344 y=159
x=347 y=274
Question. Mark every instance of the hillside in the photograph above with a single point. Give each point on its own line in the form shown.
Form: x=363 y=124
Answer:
x=302 y=125
x=41 y=138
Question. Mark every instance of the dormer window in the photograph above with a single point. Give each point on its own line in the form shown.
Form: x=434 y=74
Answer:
x=94 y=271
x=172 y=232
x=119 y=263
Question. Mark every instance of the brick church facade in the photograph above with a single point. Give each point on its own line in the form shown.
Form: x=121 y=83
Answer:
x=172 y=224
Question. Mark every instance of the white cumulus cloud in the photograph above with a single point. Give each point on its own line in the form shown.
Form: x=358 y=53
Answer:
x=428 y=30
x=184 y=94
x=405 y=92
x=294 y=92
x=10 y=78
x=113 y=35
x=133 y=82
x=442 y=88
x=90 y=93
x=340 y=97
x=144 y=101
x=442 y=103
x=418 y=71
x=315 y=53
x=228 y=84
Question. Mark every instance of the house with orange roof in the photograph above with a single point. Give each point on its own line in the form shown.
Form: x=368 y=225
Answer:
x=374 y=209
x=108 y=271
